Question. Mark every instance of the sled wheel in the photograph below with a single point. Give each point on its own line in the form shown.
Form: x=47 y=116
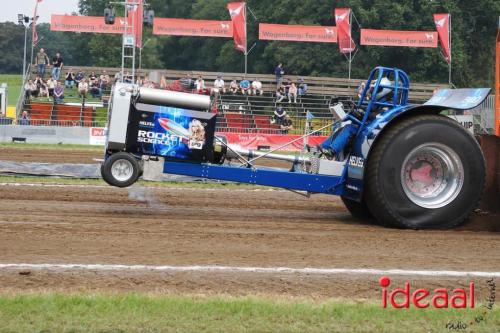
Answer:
x=425 y=172
x=120 y=169
x=358 y=210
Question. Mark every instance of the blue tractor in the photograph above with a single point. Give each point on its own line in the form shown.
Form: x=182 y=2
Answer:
x=403 y=165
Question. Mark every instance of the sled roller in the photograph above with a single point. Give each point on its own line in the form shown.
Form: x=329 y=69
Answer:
x=256 y=154
x=173 y=99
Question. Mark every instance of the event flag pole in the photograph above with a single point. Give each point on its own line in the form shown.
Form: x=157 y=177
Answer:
x=449 y=63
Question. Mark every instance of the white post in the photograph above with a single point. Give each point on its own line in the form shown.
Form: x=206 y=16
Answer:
x=449 y=42
x=25 y=46
x=246 y=41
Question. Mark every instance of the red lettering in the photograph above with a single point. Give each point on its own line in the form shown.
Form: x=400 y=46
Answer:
x=440 y=294
x=405 y=292
x=461 y=295
x=416 y=298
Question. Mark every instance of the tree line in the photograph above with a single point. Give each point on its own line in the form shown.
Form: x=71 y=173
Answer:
x=474 y=29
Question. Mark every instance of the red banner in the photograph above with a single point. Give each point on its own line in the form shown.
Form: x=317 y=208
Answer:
x=297 y=33
x=237 y=10
x=253 y=141
x=443 y=28
x=343 y=22
x=93 y=24
x=182 y=27
x=135 y=17
x=399 y=38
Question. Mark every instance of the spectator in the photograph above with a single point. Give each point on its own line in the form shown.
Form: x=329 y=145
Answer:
x=51 y=85
x=286 y=125
x=280 y=93
x=93 y=77
x=83 y=88
x=245 y=86
x=57 y=65
x=302 y=87
x=43 y=91
x=79 y=77
x=59 y=92
x=257 y=87
x=279 y=115
x=42 y=60
x=118 y=77
x=279 y=72
x=163 y=82
x=200 y=85
x=292 y=93
x=25 y=119
x=219 y=86
x=361 y=88
x=233 y=87
x=95 y=89
x=29 y=89
x=69 y=82
x=288 y=84
x=38 y=83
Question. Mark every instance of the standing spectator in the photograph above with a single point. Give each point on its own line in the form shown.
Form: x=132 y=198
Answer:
x=286 y=125
x=280 y=93
x=302 y=87
x=59 y=93
x=245 y=86
x=257 y=87
x=57 y=65
x=233 y=87
x=51 y=85
x=292 y=93
x=29 y=89
x=79 y=77
x=69 y=82
x=219 y=86
x=279 y=72
x=279 y=115
x=200 y=85
x=25 y=119
x=83 y=88
x=42 y=60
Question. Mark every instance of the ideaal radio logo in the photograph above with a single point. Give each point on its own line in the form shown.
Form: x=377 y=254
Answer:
x=441 y=298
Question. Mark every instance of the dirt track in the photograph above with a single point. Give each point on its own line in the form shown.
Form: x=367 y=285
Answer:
x=41 y=224
x=241 y=228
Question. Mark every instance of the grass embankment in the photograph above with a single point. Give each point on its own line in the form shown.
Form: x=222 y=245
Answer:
x=14 y=83
x=139 y=313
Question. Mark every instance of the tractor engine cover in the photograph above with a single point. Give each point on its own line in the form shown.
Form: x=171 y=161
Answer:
x=174 y=133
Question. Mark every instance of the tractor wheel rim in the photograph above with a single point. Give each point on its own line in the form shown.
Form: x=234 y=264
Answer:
x=122 y=170
x=432 y=175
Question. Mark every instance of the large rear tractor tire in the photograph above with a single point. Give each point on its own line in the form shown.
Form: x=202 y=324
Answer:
x=358 y=210
x=120 y=170
x=425 y=172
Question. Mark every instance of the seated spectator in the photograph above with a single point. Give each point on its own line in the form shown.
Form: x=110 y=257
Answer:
x=163 y=82
x=361 y=88
x=83 y=88
x=118 y=77
x=24 y=120
x=59 y=93
x=257 y=87
x=280 y=93
x=95 y=89
x=51 y=85
x=44 y=91
x=288 y=84
x=29 y=89
x=79 y=77
x=200 y=85
x=69 y=82
x=92 y=76
x=245 y=86
x=233 y=87
x=219 y=86
x=292 y=93
x=187 y=83
x=286 y=125
x=279 y=115
x=302 y=87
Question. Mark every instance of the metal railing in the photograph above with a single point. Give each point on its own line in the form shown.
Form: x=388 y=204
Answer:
x=484 y=116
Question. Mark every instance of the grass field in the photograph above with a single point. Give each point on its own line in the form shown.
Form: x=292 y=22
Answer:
x=14 y=85
x=141 y=313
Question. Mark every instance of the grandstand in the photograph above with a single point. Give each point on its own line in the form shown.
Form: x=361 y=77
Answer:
x=237 y=113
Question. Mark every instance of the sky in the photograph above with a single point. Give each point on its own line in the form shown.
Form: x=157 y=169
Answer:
x=10 y=9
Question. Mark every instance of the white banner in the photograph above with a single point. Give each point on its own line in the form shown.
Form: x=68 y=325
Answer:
x=467 y=121
x=97 y=136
